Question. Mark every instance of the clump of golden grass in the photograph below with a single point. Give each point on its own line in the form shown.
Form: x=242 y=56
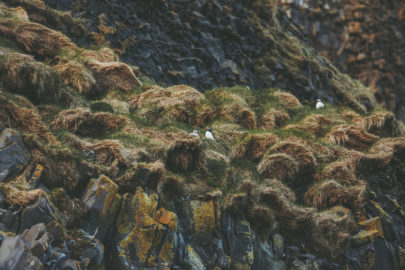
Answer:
x=330 y=193
x=383 y=153
x=36 y=38
x=38 y=12
x=17 y=190
x=300 y=153
x=61 y=166
x=341 y=171
x=287 y=99
x=21 y=197
x=278 y=186
x=350 y=136
x=262 y=220
x=279 y=166
x=292 y=219
x=330 y=231
x=381 y=123
x=172 y=187
x=76 y=75
x=253 y=146
x=245 y=204
x=321 y=152
x=113 y=75
x=228 y=132
x=17 y=13
x=82 y=122
x=109 y=150
x=20 y=114
x=273 y=118
x=233 y=107
x=20 y=73
x=104 y=54
x=173 y=103
x=185 y=154
x=313 y=124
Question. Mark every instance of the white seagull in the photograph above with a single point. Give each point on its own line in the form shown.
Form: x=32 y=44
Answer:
x=194 y=133
x=209 y=134
x=319 y=104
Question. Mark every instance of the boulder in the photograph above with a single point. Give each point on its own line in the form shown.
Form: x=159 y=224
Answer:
x=94 y=253
x=70 y=264
x=9 y=220
x=14 y=156
x=15 y=255
x=146 y=236
x=193 y=260
x=40 y=212
x=102 y=200
x=37 y=239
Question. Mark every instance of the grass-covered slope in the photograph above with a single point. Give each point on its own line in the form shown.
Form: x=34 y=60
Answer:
x=277 y=166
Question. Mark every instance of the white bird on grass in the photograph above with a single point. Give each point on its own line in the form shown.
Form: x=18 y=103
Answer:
x=319 y=104
x=209 y=134
x=194 y=133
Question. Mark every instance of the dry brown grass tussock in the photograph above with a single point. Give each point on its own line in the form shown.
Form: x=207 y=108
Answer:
x=313 y=124
x=321 y=152
x=274 y=185
x=82 y=122
x=235 y=108
x=104 y=55
x=280 y=166
x=37 y=39
x=109 y=150
x=330 y=193
x=113 y=75
x=351 y=136
x=273 y=118
x=292 y=219
x=185 y=154
x=331 y=231
x=287 y=99
x=380 y=123
x=341 y=171
x=253 y=146
x=18 y=13
x=382 y=153
x=23 y=116
x=173 y=103
x=76 y=75
x=228 y=132
x=23 y=198
x=21 y=74
x=300 y=152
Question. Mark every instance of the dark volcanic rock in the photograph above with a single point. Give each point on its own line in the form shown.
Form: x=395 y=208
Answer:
x=209 y=44
x=40 y=212
x=365 y=39
x=13 y=154
x=14 y=255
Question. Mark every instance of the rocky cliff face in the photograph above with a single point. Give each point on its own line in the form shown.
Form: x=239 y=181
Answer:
x=365 y=39
x=98 y=169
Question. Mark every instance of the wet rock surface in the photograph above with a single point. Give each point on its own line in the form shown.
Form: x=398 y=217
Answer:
x=362 y=38
x=14 y=156
x=210 y=44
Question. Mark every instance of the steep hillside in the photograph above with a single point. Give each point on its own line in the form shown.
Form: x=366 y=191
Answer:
x=207 y=44
x=98 y=169
x=364 y=38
